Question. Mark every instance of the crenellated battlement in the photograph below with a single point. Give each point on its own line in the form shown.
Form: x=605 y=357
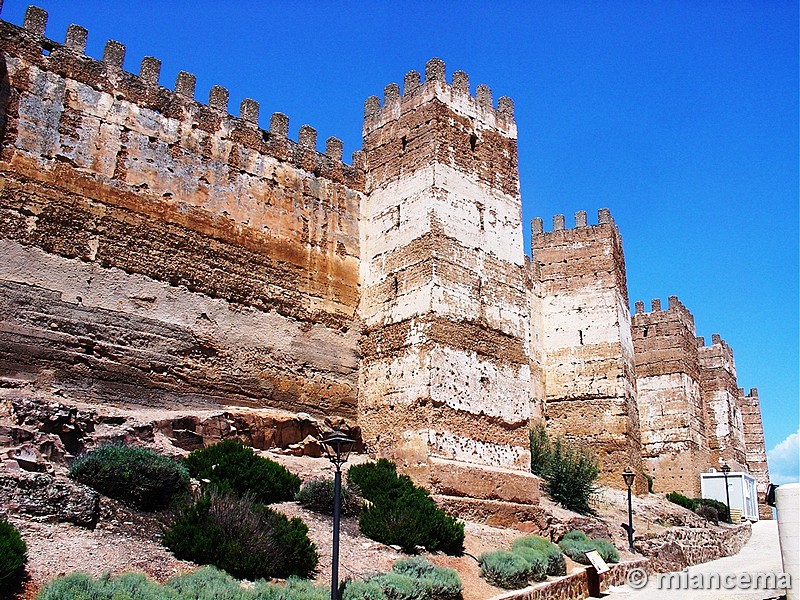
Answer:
x=674 y=306
x=559 y=223
x=109 y=75
x=456 y=94
x=716 y=340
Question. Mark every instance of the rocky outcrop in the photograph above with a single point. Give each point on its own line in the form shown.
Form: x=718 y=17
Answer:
x=46 y=497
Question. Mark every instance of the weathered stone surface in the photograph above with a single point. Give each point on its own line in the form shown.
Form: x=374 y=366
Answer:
x=48 y=497
x=161 y=254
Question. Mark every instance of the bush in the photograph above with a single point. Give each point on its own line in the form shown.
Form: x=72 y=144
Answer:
x=364 y=590
x=541 y=449
x=569 y=471
x=709 y=513
x=245 y=539
x=507 y=570
x=207 y=582
x=317 y=495
x=13 y=554
x=681 y=500
x=720 y=507
x=556 y=565
x=233 y=467
x=575 y=543
x=441 y=583
x=139 y=477
x=295 y=589
x=80 y=586
x=401 y=513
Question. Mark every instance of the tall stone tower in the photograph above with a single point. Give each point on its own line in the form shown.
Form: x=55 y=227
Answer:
x=590 y=387
x=671 y=409
x=720 y=396
x=445 y=375
x=756 y=454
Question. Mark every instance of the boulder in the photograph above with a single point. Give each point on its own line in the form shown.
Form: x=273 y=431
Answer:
x=48 y=498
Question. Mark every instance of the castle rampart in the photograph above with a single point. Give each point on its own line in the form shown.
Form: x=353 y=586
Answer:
x=229 y=254
x=159 y=251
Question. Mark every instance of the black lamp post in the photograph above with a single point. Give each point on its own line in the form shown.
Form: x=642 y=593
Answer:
x=337 y=446
x=628 y=475
x=725 y=470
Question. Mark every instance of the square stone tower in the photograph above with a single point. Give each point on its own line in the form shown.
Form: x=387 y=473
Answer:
x=671 y=409
x=445 y=377
x=718 y=385
x=590 y=386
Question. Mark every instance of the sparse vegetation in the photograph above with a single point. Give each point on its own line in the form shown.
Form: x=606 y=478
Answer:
x=13 y=554
x=569 y=471
x=401 y=513
x=556 y=565
x=205 y=584
x=233 y=467
x=408 y=580
x=139 y=477
x=532 y=558
x=242 y=537
x=575 y=543
x=317 y=495
x=411 y=579
x=681 y=500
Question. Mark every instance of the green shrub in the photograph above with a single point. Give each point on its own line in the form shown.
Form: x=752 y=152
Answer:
x=720 y=507
x=537 y=563
x=575 y=543
x=233 y=467
x=569 y=472
x=242 y=537
x=133 y=586
x=317 y=495
x=507 y=570
x=681 y=500
x=709 y=513
x=556 y=565
x=13 y=554
x=401 y=513
x=295 y=589
x=139 y=477
x=205 y=584
x=364 y=590
x=208 y=582
x=398 y=586
x=541 y=450
x=441 y=583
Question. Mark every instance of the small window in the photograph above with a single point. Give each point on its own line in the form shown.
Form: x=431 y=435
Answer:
x=473 y=141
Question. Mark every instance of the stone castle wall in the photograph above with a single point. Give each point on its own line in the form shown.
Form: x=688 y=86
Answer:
x=159 y=251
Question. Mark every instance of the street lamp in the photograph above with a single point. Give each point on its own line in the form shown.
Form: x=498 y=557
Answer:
x=725 y=470
x=628 y=475
x=337 y=446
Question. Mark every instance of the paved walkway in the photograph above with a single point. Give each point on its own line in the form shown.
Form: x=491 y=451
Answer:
x=761 y=554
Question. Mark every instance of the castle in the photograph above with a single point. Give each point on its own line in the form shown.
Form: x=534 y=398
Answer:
x=160 y=252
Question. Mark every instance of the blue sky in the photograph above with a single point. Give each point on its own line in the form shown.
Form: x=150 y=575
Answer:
x=680 y=116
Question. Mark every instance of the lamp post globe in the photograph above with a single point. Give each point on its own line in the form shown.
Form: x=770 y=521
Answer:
x=337 y=447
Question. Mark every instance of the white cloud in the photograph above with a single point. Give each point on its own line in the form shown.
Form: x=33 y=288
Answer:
x=784 y=460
